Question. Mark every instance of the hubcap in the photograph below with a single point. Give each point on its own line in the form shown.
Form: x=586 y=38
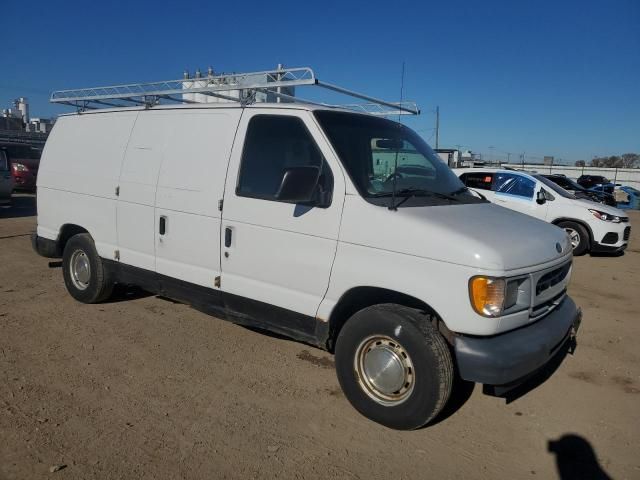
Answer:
x=80 y=269
x=384 y=369
x=574 y=236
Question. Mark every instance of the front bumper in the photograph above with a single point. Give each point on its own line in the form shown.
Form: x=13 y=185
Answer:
x=508 y=357
x=45 y=247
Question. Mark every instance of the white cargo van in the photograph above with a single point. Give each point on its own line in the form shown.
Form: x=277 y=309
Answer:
x=340 y=229
x=592 y=227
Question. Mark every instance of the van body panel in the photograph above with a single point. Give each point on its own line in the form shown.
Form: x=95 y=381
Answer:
x=482 y=235
x=196 y=149
x=79 y=170
x=280 y=253
x=137 y=191
x=444 y=286
x=83 y=154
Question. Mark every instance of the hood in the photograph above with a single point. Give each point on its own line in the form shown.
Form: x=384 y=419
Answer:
x=601 y=207
x=481 y=235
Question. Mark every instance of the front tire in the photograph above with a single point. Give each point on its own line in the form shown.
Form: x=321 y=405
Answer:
x=83 y=272
x=393 y=366
x=578 y=235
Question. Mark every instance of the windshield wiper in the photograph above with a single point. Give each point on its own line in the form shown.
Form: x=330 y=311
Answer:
x=408 y=193
x=459 y=191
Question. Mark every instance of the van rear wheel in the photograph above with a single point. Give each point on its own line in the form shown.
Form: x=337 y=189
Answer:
x=83 y=272
x=394 y=366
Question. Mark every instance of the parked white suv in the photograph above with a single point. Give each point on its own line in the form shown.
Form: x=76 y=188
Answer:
x=294 y=218
x=592 y=227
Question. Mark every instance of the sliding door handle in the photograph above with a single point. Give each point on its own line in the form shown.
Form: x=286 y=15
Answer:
x=162 y=228
x=227 y=237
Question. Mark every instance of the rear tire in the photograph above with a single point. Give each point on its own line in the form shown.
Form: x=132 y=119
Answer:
x=83 y=272
x=393 y=366
x=578 y=235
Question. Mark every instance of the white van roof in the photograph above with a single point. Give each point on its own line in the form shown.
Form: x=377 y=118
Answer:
x=222 y=106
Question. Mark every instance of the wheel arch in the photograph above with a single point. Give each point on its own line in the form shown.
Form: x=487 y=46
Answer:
x=67 y=231
x=358 y=298
x=580 y=222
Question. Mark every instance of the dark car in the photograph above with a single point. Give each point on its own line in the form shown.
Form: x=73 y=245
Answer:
x=581 y=192
x=6 y=182
x=588 y=181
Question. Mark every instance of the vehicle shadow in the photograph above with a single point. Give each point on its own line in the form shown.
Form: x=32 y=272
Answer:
x=576 y=459
x=603 y=254
x=460 y=393
x=539 y=377
x=124 y=293
x=23 y=205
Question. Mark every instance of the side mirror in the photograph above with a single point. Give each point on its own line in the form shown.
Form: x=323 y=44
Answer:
x=298 y=184
x=541 y=198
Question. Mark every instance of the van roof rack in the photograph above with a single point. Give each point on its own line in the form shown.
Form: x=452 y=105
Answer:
x=245 y=88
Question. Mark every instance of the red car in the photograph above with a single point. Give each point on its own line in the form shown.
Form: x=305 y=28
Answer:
x=24 y=167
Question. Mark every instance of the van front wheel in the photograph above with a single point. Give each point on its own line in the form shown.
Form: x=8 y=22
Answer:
x=394 y=366
x=84 y=274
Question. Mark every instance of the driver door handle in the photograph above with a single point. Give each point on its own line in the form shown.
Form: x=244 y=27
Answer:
x=162 y=228
x=227 y=237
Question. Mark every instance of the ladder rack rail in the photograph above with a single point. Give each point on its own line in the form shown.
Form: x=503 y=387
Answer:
x=240 y=88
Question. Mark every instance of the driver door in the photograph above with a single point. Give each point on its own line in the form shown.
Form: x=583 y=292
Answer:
x=278 y=253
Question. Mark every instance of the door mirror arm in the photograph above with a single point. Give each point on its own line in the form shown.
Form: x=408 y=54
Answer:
x=299 y=185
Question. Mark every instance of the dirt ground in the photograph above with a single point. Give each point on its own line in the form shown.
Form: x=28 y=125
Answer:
x=145 y=388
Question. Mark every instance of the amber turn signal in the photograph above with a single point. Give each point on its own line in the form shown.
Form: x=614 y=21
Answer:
x=487 y=295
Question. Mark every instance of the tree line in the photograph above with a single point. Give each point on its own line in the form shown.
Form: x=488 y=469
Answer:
x=626 y=160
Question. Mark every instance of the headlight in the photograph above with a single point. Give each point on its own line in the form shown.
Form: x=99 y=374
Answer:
x=18 y=167
x=607 y=217
x=491 y=296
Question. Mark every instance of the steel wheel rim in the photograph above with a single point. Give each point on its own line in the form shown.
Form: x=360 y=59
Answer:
x=80 y=270
x=574 y=236
x=384 y=370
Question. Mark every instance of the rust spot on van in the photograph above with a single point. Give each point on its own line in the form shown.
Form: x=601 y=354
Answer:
x=322 y=362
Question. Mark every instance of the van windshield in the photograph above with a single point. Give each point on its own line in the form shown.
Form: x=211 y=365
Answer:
x=381 y=156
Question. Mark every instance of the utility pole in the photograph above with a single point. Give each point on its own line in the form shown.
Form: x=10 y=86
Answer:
x=437 y=127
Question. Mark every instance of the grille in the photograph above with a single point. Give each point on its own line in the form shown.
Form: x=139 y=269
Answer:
x=552 y=278
x=610 y=238
x=627 y=233
x=545 y=307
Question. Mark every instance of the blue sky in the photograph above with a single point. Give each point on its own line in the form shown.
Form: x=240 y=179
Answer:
x=546 y=77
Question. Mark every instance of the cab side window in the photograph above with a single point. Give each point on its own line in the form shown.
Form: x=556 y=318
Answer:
x=512 y=184
x=273 y=144
x=477 y=180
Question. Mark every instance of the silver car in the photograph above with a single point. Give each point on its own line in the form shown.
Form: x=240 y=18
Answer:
x=6 y=180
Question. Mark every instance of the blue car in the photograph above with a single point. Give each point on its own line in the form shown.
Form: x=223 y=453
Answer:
x=633 y=202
